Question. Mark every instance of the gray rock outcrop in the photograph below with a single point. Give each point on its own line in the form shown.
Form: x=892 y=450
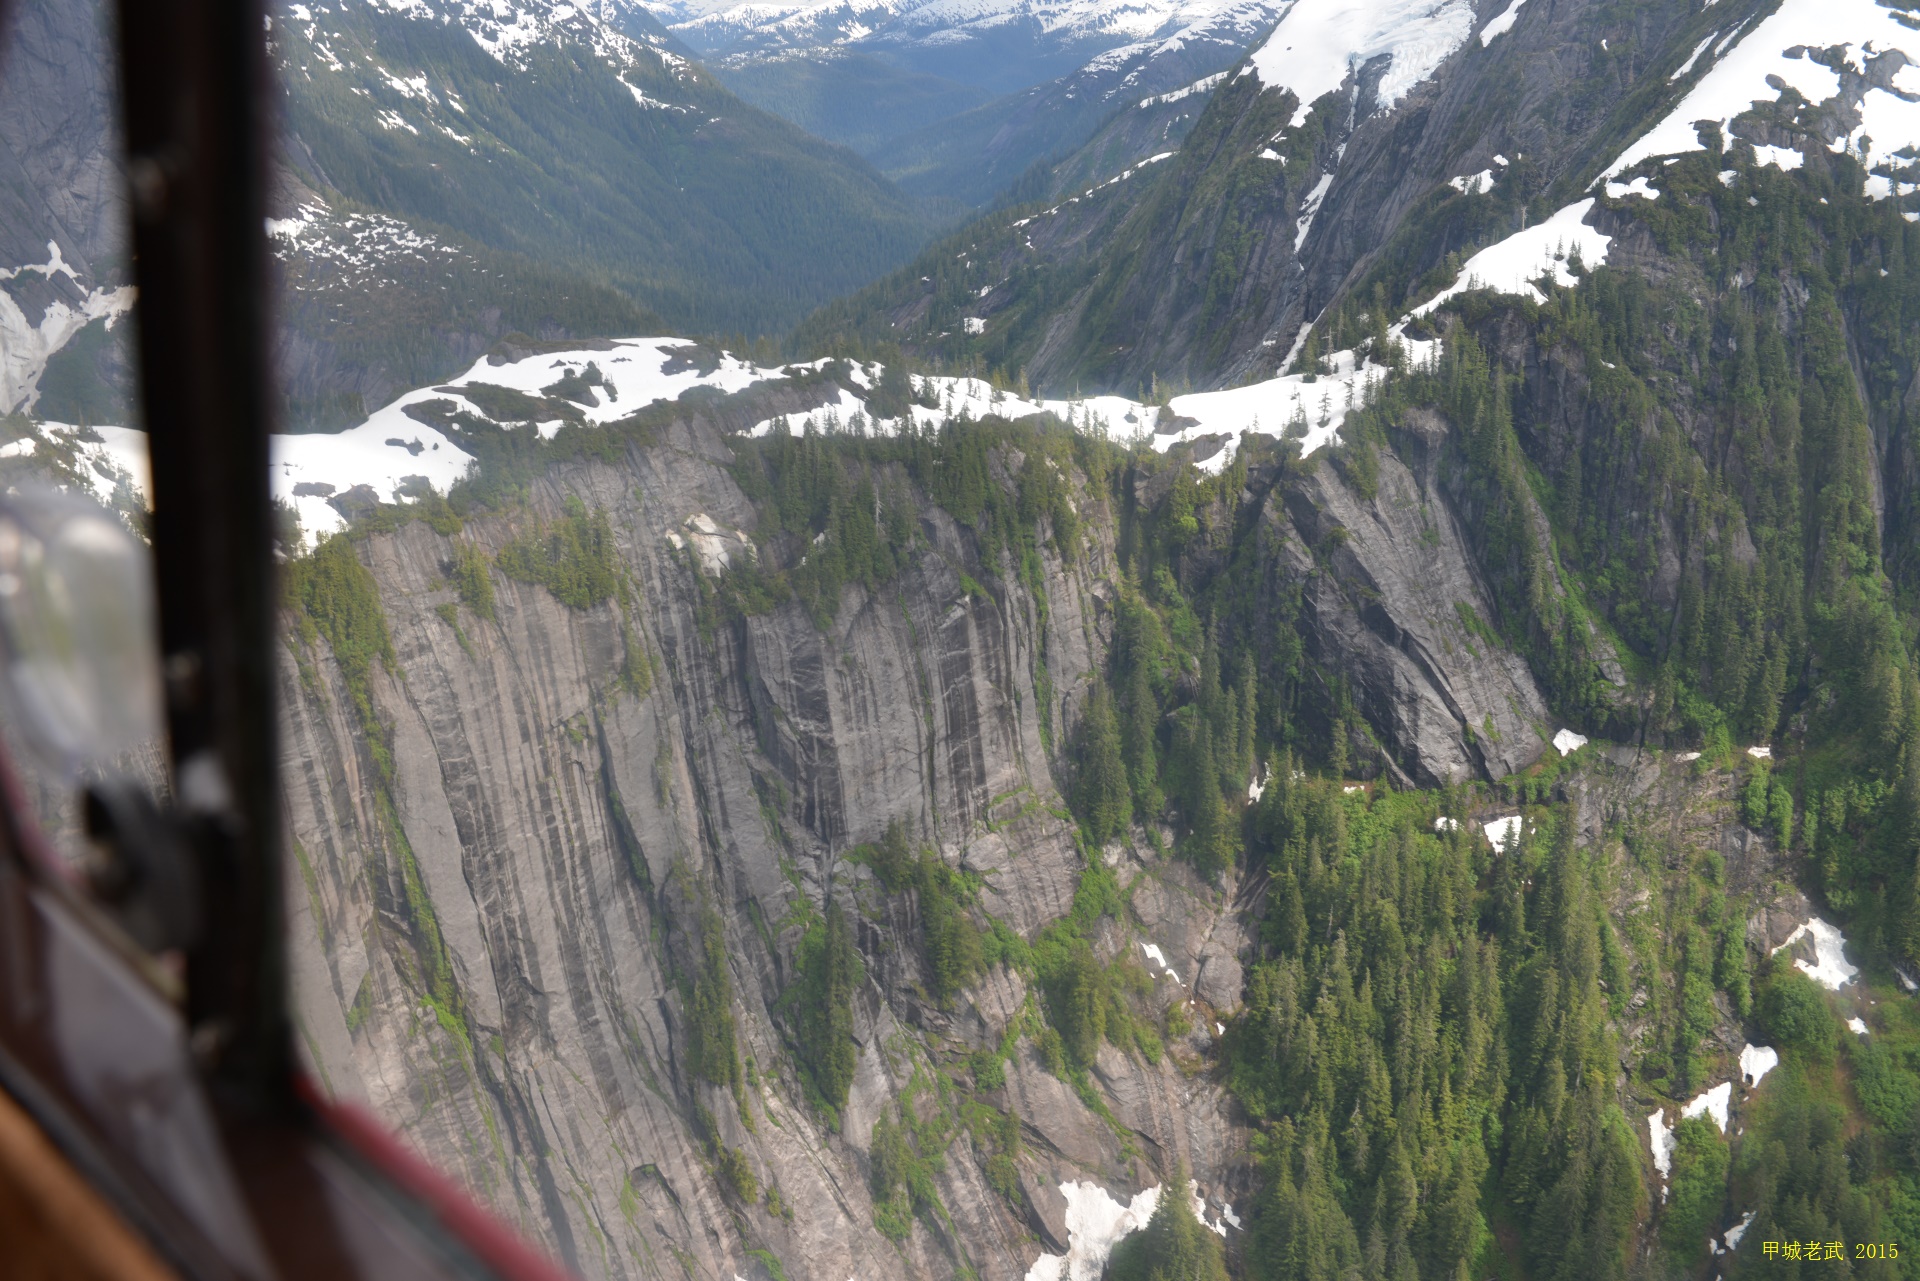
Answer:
x=552 y=834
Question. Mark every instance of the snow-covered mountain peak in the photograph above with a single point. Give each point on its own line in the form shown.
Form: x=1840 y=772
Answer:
x=410 y=93
x=931 y=23
x=507 y=31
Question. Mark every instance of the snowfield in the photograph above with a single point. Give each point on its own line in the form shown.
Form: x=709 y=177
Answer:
x=399 y=452
x=392 y=447
x=1741 y=70
x=1741 y=66
x=1830 y=968
x=1755 y=1062
x=1306 y=408
x=1503 y=832
x=1501 y=23
x=1548 y=248
x=1660 y=1140
x=1320 y=44
x=1713 y=1103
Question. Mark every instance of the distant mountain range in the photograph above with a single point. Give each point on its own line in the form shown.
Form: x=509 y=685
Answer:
x=455 y=172
x=1357 y=159
x=559 y=136
x=958 y=100
x=451 y=174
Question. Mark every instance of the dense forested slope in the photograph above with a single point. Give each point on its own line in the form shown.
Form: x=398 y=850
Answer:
x=1447 y=1047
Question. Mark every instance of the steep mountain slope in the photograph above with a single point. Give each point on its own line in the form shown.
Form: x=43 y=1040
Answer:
x=557 y=137
x=610 y=892
x=1263 y=836
x=371 y=305
x=1141 y=98
x=1347 y=155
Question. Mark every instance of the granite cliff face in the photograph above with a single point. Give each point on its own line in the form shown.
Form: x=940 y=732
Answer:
x=513 y=897
x=561 y=835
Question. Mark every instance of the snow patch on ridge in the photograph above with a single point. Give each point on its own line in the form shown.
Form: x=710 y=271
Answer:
x=1320 y=44
x=1638 y=187
x=398 y=449
x=1159 y=958
x=1503 y=832
x=1201 y=85
x=106 y=458
x=1694 y=57
x=1776 y=48
x=634 y=373
x=1095 y=1224
x=1287 y=406
x=1502 y=24
x=1309 y=206
x=1544 y=249
x=1660 y=1139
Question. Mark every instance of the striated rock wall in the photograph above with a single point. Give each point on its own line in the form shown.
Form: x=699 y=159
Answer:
x=499 y=901
x=551 y=833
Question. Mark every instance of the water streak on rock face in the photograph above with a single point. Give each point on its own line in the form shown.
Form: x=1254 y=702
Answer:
x=554 y=835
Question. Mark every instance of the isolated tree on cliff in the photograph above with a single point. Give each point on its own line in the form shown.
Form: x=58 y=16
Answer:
x=1102 y=794
x=830 y=971
x=1215 y=840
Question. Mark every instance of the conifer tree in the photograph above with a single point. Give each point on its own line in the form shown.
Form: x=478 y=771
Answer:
x=1102 y=795
x=1174 y=1246
x=951 y=940
x=1301 y=1232
x=1212 y=845
x=710 y=1039
x=1140 y=724
x=830 y=971
x=1248 y=691
x=1077 y=1002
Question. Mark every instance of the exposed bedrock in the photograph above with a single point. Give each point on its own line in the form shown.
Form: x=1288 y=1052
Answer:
x=494 y=945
